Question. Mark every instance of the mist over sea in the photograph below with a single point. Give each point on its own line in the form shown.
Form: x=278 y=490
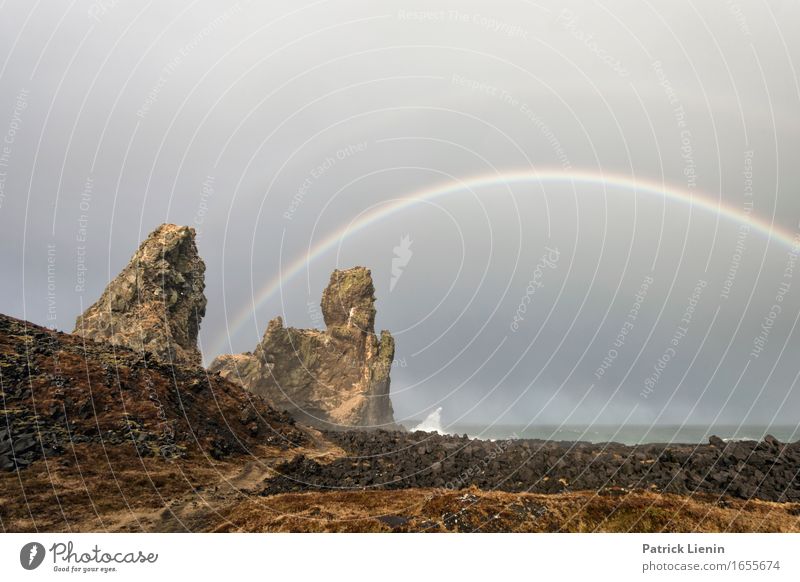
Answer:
x=631 y=434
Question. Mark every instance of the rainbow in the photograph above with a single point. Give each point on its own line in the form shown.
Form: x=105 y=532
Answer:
x=694 y=198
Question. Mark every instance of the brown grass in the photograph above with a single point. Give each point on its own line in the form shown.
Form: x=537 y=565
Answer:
x=475 y=510
x=89 y=489
x=118 y=491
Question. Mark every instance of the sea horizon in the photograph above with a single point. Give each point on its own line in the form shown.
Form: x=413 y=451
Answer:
x=632 y=434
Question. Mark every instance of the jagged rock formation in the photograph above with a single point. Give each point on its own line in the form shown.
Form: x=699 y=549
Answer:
x=156 y=303
x=337 y=377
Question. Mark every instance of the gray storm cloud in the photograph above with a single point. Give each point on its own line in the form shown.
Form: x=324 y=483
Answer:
x=452 y=147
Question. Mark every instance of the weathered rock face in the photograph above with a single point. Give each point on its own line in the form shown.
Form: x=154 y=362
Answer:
x=156 y=303
x=337 y=377
x=395 y=460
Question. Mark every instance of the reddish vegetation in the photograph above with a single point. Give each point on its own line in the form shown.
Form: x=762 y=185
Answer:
x=59 y=390
x=473 y=510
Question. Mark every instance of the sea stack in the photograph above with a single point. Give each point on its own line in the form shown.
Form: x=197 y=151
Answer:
x=156 y=303
x=334 y=378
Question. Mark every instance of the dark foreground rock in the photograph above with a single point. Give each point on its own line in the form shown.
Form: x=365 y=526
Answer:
x=59 y=390
x=334 y=378
x=394 y=460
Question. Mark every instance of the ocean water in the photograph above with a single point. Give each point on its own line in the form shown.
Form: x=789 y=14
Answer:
x=628 y=434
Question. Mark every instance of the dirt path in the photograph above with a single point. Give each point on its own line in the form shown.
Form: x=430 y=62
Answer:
x=233 y=484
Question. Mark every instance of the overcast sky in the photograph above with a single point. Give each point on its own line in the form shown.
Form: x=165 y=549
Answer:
x=274 y=128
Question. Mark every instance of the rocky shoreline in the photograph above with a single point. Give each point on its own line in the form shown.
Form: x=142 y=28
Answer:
x=767 y=470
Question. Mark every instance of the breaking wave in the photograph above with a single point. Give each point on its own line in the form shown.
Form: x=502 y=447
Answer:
x=433 y=423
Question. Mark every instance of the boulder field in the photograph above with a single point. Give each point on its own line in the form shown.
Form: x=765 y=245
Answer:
x=767 y=470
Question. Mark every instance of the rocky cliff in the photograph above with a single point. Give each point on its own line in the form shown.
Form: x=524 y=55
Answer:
x=156 y=303
x=336 y=377
x=62 y=394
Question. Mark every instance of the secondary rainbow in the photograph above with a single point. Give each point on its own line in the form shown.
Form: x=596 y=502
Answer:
x=619 y=182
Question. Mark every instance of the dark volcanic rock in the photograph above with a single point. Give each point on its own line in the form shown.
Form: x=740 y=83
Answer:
x=60 y=391
x=397 y=460
x=156 y=303
x=333 y=378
